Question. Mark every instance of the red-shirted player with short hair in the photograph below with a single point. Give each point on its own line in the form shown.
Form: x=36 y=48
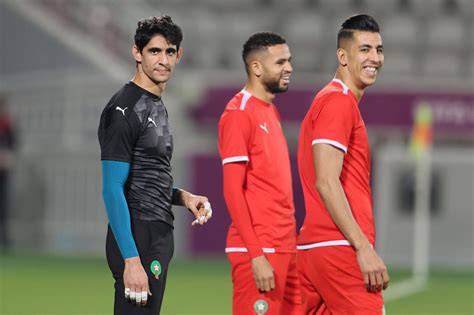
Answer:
x=340 y=272
x=261 y=242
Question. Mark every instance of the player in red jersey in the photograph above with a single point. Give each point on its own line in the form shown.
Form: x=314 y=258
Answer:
x=340 y=272
x=261 y=241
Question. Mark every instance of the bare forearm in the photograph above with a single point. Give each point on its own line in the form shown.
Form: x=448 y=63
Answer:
x=336 y=203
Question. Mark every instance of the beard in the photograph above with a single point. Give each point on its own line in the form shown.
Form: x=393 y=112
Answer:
x=273 y=86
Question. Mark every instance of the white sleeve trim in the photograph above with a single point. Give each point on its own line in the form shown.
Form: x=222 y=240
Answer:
x=240 y=158
x=331 y=142
x=244 y=250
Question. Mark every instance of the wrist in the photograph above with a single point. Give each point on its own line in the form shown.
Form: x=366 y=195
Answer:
x=132 y=260
x=255 y=251
x=360 y=243
x=185 y=196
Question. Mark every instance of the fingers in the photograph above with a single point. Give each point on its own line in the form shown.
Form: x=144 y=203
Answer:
x=144 y=298
x=377 y=281
x=386 y=279
x=265 y=284
x=204 y=213
x=366 y=281
x=379 y=284
x=141 y=298
x=372 y=282
x=137 y=297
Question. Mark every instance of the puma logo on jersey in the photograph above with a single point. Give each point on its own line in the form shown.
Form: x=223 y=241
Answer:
x=152 y=121
x=122 y=110
x=264 y=127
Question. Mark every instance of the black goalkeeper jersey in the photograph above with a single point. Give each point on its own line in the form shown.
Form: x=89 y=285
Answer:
x=134 y=128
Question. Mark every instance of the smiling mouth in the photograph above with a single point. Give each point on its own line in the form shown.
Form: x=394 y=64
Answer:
x=286 y=79
x=372 y=70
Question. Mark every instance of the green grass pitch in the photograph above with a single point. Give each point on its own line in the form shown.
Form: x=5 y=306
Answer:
x=38 y=284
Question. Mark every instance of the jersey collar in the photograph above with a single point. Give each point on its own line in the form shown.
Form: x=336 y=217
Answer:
x=345 y=88
x=245 y=92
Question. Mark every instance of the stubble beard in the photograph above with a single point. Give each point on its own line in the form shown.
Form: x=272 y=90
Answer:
x=274 y=87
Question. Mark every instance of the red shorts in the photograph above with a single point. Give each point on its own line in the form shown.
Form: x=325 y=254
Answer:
x=332 y=283
x=285 y=299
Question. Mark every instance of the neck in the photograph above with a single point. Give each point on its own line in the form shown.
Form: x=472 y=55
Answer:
x=344 y=75
x=145 y=83
x=259 y=91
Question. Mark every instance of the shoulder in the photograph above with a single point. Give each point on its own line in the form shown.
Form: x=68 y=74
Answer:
x=334 y=99
x=238 y=107
x=123 y=106
x=240 y=101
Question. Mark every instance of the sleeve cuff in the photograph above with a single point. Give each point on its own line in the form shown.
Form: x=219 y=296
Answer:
x=232 y=159
x=330 y=142
x=255 y=251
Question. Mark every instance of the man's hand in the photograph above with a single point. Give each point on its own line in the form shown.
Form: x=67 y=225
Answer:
x=135 y=281
x=373 y=269
x=263 y=273
x=199 y=206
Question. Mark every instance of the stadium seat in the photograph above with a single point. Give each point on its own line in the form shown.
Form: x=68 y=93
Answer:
x=445 y=32
x=441 y=64
x=379 y=8
x=466 y=8
x=427 y=8
x=306 y=36
x=400 y=31
x=398 y=62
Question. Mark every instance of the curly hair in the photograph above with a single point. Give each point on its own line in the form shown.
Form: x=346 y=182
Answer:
x=161 y=25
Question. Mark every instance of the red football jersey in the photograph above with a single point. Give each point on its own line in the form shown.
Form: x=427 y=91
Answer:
x=334 y=118
x=250 y=131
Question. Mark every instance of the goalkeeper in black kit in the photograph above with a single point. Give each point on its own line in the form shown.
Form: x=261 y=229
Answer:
x=136 y=147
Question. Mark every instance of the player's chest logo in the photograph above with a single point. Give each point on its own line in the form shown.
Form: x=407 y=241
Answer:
x=264 y=127
x=152 y=121
x=122 y=110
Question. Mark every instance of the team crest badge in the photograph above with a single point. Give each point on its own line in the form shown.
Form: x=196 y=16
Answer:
x=260 y=307
x=155 y=268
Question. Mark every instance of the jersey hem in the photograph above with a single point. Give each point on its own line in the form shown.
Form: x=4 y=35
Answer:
x=266 y=250
x=324 y=244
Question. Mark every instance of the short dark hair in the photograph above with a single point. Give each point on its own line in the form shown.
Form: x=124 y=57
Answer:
x=359 y=22
x=161 y=25
x=260 y=41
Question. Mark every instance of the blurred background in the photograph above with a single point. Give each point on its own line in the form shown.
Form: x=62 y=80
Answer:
x=61 y=61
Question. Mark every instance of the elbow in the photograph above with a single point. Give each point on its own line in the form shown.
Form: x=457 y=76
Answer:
x=323 y=184
x=110 y=193
x=107 y=193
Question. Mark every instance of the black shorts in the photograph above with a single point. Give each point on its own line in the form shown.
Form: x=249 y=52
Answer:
x=155 y=242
